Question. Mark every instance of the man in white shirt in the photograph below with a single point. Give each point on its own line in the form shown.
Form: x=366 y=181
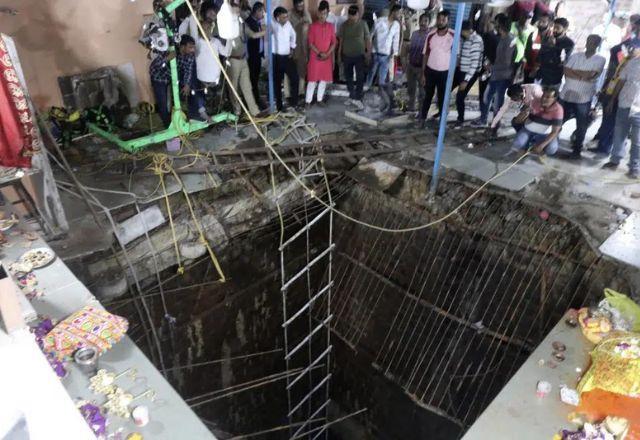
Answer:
x=613 y=35
x=523 y=94
x=581 y=73
x=283 y=43
x=628 y=115
x=386 y=44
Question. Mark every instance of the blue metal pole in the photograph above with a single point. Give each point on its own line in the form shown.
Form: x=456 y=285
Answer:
x=447 y=95
x=272 y=104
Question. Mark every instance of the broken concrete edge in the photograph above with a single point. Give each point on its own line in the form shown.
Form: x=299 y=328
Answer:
x=250 y=213
x=453 y=176
x=360 y=118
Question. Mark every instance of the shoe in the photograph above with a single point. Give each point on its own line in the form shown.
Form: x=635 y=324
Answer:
x=633 y=174
x=321 y=104
x=358 y=104
x=594 y=150
x=421 y=123
x=569 y=155
x=458 y=125
x=307 y=105
x=610 y=166
x=478 y=123
x=436 y=116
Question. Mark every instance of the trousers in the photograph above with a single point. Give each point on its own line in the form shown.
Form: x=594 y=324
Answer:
x=607 y=127
x=311 y=88
x=414 y=76
x=241 y=79
x=255 y=66
x=350 y=64
x=380 y=66
x=581 y=113
x=161 y=94
x=435 y=80
x=495 y=92
x=461 y=96
x=525 y=139
x=627 y=121
x=284 y=65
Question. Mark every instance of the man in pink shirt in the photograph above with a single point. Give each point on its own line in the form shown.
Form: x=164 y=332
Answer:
x=542 y=126
x=435 y=63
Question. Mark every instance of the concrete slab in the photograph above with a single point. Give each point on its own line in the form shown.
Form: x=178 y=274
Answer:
x=137 y=225
x=378 y=174
x=624 y=244
x=515 y=179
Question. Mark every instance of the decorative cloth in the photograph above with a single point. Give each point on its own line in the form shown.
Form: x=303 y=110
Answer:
x=87 y=327
x=18 y=136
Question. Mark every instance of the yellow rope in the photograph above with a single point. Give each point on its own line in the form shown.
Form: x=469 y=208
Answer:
x=162 y=165
x=309 y=191
x=159 y=164
x=203 y=238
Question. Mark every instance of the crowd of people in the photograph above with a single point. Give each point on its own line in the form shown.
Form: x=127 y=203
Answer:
x=526 y=61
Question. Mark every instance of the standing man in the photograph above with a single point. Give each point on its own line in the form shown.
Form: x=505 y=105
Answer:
x=502 y=72
x=555 y=51
x=188 y=80
x=255 y=48
x=618 y=56
x=413 y=64
x=160 y=80
x=322 y=43
x=355 y=50
x=239 y=74
x=521 y=30
x=435 y=63
x=300 y=20
x=534 y=44
x=386 y=36
x=490 y=39
x=283 y=42
x=582 y=71
x=628 y=115
x=469 y=66
x=543 y=125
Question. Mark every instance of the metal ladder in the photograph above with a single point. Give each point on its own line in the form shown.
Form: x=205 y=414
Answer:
x=307 y=311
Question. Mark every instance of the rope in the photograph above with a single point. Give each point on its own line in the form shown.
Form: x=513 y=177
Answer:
x=158 y=166
x=162 y=165
x=309 y=191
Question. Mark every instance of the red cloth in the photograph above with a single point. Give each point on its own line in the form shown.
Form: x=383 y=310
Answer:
x=322 y=36
x=522 y=8
x=17 y=132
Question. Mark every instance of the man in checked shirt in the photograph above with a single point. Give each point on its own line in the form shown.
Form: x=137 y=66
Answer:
x=190 y=87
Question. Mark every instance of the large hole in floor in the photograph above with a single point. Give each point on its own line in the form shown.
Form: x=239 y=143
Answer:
x=427 y=325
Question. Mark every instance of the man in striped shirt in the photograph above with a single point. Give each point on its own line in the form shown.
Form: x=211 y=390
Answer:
x=581 y=72
x=469 y=66
x=543 y=125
